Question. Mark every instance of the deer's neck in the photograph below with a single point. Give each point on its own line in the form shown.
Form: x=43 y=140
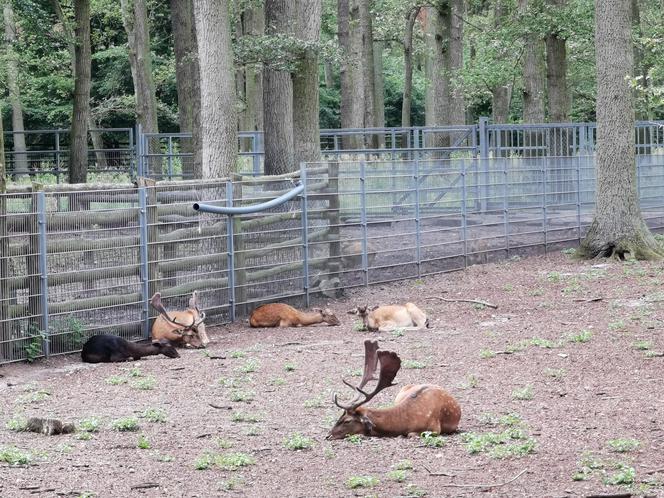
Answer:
x=390 y=421
x=140 y=350
x=310 y=318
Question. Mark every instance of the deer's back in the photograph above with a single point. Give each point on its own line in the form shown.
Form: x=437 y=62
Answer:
x=430 y=407
x=271 y=315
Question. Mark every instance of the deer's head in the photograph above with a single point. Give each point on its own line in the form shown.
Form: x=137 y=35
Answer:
x=328 y=316
x=191 y=328
x=165 y=347
x=355 y=420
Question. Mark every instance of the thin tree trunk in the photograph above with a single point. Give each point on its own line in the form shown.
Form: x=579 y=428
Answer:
x=253 y=22
x=187 y=80
x=329 y=74
x=618 y=226
x=135 y=20
x=367 y=59
x=501 y=94
x=78 y=154
x=350 y=40
x=556 y=74
x=217 y=87
x=407 y=102
x=278 y=97
x=454 y=54
x=379 y=88
x=306 y=128
x=533 y=76
x=20 y=159
x=437 y=98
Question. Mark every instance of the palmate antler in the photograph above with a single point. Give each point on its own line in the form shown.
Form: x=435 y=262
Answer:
x=389 y=366
x=155 y=301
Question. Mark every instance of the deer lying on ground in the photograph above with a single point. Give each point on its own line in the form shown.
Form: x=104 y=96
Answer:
x=388 y=318
x=417 y=408
x=111 y=349
x=283 y=315
x=182 y=328
x=351 y=254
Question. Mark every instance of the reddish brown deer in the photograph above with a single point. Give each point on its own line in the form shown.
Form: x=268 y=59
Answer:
x=387 y=318
x=182 y=328
x=283 y=315
x=417 y=408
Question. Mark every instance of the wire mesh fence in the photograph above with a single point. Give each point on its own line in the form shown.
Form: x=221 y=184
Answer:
x=81 y=260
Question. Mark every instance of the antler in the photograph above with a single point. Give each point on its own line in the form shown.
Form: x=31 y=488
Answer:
x=194 y=304
x=389 y=366
x=155 y=301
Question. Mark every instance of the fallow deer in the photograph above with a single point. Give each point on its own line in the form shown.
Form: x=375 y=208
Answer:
x=106 y=348
x=417 y=408
x=283 y=315
x=387 y=318
x=182 y=328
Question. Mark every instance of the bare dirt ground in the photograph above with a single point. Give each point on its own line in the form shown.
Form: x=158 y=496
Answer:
x=552 y=385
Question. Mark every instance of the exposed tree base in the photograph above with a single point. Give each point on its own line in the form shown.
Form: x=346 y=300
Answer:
x=640 y=245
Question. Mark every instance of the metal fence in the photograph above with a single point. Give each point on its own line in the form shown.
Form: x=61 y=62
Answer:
x=169 y=155
x=80 y=260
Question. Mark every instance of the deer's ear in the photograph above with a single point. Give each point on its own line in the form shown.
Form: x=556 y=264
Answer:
x=373 y=308
x=354 y=311
x=368 y=425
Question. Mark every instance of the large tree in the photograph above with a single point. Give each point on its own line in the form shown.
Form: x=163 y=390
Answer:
x=533 y=93
x=618 y=227
x=78 y=155
x=351 y=109
x=217 y=81
x=20 y=159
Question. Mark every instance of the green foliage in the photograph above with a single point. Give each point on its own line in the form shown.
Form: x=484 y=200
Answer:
x=126 y=424
x=523 y=394
x=354 y=438
x=623 y=445
x=432 y=440
x=245 y=417
x=233 y=461
x=582 y=337
x=362 y=482
x=89 y=424
x=144 y=384
x=397 y=475
x=298 y=442
x=115 y=380
x=413 y=364
x=17 y=424
x=13 y=456
x=143 y=442
x=156 y=415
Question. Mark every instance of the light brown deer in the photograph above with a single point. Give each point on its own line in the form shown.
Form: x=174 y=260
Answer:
x=182 y=328
x=417 y=408
x=391 y=317
x=283 y=315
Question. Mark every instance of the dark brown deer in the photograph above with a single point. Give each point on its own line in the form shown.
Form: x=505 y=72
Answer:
x=182 y=328
x=417 y=408
x=105 y=348
x=283 y=315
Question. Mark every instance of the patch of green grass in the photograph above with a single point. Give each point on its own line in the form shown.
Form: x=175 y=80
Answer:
x=354 y=372
x=34 y=396
x=233 y=461
x=84 y=436
x=403 y=465
x=165 y=458
x=569 y=251
x=224 y=443
x=245 y=417
x=642 y=345
x=478 y=306
x=622 y=474
x=253 y=431
x=555 y=373
x=355 y=482
x=398 y=332
x=414 y=364
x=523 y=394
x=413 y=490
x=487 y=353
x=316 y=402
x=203 y=462
x=278 y=382
x=250 y=366
x=617 y=325
x=623 y=445
x=155 y=415
x=237 y=354
x=471 y=382
x=231 y=484
x=542 y=343
x=328 y=453
x=13 y=456
x=554 y=277
x=582 y=337
x=354 y=438
x=298 y=442
x=517 y=348
x=17 y=424
x=397 y=475
x=358 y=325
x=512 y=442
x=238 y=396
x=289 y=367
x=135 y=372
x=126 y=424
x=89 y=424
x=537 y=292
x=144 y=383
x=116 y=380
x=432 y=440
x=143 y=442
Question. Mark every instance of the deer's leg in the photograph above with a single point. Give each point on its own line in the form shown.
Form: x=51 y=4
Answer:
x=118 y=357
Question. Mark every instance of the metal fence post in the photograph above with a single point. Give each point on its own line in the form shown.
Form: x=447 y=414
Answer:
x=506 y=206
x=484 y=138
x=57 y=157
x=578 y=196
x=231 y=252
x=305 y=234
x=255 y=151
x=464 y=214
x=170 y=158
x=139 y=152
x=143 y=246
x=363 y=221
x=544 y=209
x=132 y=154
x=416 y=178
x=484 y=160
x=43 y=271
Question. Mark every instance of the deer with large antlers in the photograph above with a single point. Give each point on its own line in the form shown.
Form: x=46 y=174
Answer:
x=183 y=328
x=417 y=408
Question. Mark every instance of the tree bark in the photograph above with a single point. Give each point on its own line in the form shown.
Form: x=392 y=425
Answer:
x=367 y=58
x=135 y=20
x=217 y=87
x=501 y=94
x=533 y=75
x=407 y=102
x=437 y=97
x=20 y=159
x=352 y=115
x=278 y=97
x=253 y=24
x=306 y=128
x=379 y=89
x=78 y=154
x=556 y=74
x=455 y=62
x=618 y=226
x=187 y=80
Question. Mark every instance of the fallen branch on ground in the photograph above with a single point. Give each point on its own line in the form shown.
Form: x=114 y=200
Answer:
x=145 y=485
x=473 y=301
x=453 y=485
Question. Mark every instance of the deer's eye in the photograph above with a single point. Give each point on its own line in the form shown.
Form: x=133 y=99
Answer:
x=346 y=421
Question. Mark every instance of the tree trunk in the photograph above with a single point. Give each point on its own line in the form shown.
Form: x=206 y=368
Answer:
x=278 y=97
x=20 y=159
x=135 y=20
x=187 y=80
x=437 y=98
x=78 y=154
x=533 y=76
x=352 y=115
x=379 y=88
x=501 y=94
x=556 y=74
x=407 y=102
x=253 y=24
x=306 y=128
x=217 y=87
x=329 y=74
x=454 y=63
x=618 y=226
x=367 y=59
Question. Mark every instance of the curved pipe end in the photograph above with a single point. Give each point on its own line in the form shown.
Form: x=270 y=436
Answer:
x=197 y=206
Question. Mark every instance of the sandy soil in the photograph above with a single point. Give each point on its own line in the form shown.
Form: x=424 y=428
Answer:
x=580 y=341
